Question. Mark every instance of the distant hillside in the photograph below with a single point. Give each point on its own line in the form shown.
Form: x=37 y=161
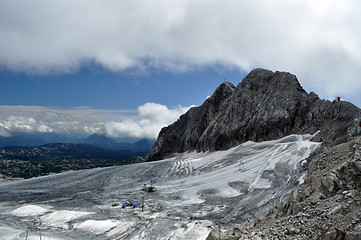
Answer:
x=26 y=162
x=101 y=140
x=38 y=139
x=142 y=145
x=266 y=105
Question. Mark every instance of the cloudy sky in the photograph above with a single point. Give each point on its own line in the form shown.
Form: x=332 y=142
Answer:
x=127 y=68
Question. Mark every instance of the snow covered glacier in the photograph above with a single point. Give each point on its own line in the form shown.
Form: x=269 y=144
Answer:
x=194 y=191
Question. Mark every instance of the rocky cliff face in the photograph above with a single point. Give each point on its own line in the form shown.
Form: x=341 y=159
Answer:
x=265 y=105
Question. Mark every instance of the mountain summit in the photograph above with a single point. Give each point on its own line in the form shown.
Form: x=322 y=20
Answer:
x=266 y=105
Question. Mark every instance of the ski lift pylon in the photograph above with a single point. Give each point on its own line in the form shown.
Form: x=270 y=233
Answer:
x=241 y=166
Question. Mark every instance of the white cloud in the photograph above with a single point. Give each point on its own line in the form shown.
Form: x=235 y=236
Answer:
x=151 y=118
x=18 y=123
x=146 y=122
x=4 y=132
x=318 y=40
x=37 y=119
x=22 y=124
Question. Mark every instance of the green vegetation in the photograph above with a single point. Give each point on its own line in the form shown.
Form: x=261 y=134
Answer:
x=27 y=162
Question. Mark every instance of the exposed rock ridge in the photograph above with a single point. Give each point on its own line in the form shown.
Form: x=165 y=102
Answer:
x=265 y=105
x=183 y=134
x=326 y=206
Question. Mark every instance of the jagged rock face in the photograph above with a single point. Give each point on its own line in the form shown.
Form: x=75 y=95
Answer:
x=265 y=105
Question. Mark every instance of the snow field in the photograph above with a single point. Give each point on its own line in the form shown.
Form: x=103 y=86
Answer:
x=61 y=218
x=247 y=163
x=193 y=191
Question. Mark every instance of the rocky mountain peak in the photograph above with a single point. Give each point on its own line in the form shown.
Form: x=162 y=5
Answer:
x=266 y=81
x=255 y=79
x=265 y=105
x=224 y=88
x=222 y=92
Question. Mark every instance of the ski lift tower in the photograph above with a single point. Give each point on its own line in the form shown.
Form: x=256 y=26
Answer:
x=34 y=228
x=241 y=166
x=358 y=124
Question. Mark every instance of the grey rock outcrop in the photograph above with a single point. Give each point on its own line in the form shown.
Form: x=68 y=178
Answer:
x=265 y=105
x=326 y=206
